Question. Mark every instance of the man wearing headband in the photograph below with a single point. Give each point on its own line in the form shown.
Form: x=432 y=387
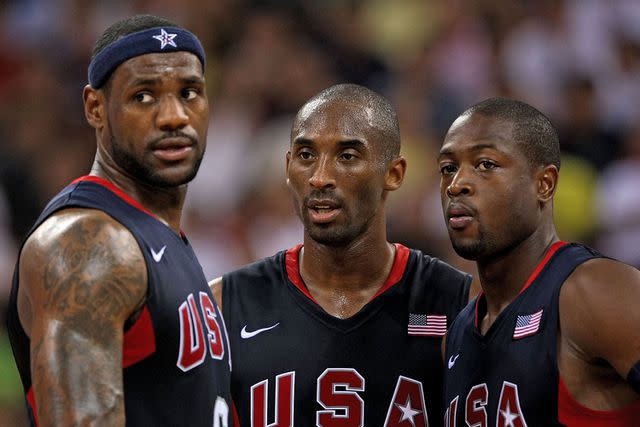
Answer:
x=111 y=319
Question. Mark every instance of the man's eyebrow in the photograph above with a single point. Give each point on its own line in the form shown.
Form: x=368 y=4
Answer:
x=352 y=143
x=145 y=82
x=193 y=80
x=445 y=152
x=305 y=142
x=347 y=143
x=477 y=147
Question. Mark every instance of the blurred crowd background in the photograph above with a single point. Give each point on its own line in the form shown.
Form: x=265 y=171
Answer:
x=578 y=61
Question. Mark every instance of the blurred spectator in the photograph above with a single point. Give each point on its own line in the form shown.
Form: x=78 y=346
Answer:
x=582 y=133
x=618 y=203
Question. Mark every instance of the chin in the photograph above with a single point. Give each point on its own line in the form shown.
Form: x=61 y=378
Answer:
x=469 y=250
x=329 y=239
x=329 y=235
x=172 y=179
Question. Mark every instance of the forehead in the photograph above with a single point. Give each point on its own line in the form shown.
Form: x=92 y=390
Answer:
x=341 y=119
x=477 y=130
x=159 y=65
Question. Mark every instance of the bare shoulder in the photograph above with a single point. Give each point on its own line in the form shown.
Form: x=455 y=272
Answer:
x=598 y=312
x=81 y=263
x=216 y=289
x=602 y=281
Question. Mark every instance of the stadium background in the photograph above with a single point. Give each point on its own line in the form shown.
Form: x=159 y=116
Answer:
x=576 y=60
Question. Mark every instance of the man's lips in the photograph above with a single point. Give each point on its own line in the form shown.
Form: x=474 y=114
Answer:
x=323 y=211
x=173 y=149
x=459 y=216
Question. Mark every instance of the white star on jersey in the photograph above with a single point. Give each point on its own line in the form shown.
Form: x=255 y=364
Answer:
x=408 y=412
x=509 y=417
x=165 y=39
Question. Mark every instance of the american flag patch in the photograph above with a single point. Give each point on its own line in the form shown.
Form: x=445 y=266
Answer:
x=427 y=325
x=527 y=324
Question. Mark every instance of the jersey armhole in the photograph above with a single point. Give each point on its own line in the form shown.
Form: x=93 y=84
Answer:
x=573 y=413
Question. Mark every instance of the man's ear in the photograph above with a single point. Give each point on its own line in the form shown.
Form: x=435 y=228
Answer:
x=94 y=107
x=547 y=179
x=395 y=174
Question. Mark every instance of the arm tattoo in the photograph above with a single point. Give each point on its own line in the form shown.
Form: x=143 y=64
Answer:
x=92 y=278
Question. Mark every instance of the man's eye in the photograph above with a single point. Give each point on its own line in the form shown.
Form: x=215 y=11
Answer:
x=348 y=156
x=305 y=155
x=486 y=165
x=189 y=94
x=143 y=97
x=447 y=169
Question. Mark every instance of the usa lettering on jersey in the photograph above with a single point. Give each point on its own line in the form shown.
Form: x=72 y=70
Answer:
x=193 y=339
x=509 y=412
x=340 y=403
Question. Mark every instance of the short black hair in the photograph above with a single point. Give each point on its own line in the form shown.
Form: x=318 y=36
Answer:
x=124 y=27
x=385 y=116
x=533 y=131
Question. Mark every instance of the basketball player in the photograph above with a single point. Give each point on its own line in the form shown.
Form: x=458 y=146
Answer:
x=111 y=318
x=344 y=329
x=553 y=338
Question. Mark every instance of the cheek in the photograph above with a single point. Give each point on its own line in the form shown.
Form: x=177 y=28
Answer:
x=126 y=128
x=200 y=121
x=368 y=193
x=294 y=185
x=516 y=207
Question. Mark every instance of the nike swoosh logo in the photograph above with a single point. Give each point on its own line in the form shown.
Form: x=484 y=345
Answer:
x=452 y=360
x=246 y=334
x=157 y=256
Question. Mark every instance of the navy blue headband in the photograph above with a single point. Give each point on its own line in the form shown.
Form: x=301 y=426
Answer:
x=153 y=40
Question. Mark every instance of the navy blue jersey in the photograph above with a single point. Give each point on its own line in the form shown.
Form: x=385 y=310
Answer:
x=176 y=359
x=509 y=376
x=294 y=364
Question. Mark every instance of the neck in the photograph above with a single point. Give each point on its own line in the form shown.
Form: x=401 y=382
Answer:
x=503 y=275
x=361 y=265
x=165 y=203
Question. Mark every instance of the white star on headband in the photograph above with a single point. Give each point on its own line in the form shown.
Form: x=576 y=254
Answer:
x=165 y=39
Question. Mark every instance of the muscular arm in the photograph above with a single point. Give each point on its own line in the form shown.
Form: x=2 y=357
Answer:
x=600 y=338
x=81 y=276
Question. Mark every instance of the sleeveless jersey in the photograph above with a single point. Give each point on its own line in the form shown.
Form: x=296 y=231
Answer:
x=509 y=376
x=296 y=365
x=176 y=359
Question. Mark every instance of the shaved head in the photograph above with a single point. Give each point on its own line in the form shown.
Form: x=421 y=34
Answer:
x=380 y=114
x=533 y=131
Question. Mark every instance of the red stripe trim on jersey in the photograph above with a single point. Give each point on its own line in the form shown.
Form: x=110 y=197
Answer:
x=139 y=341
x=236 y=419
x=477 y=305
x=572 y=413
x=31 y=399
x=552 y=250
x=292 y=263
x=109 y=185
x=118 y=192
x=397 y=270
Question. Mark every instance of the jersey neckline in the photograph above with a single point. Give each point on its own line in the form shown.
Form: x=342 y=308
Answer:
x=292 y=263
x=121 y=194
x=532 y=278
